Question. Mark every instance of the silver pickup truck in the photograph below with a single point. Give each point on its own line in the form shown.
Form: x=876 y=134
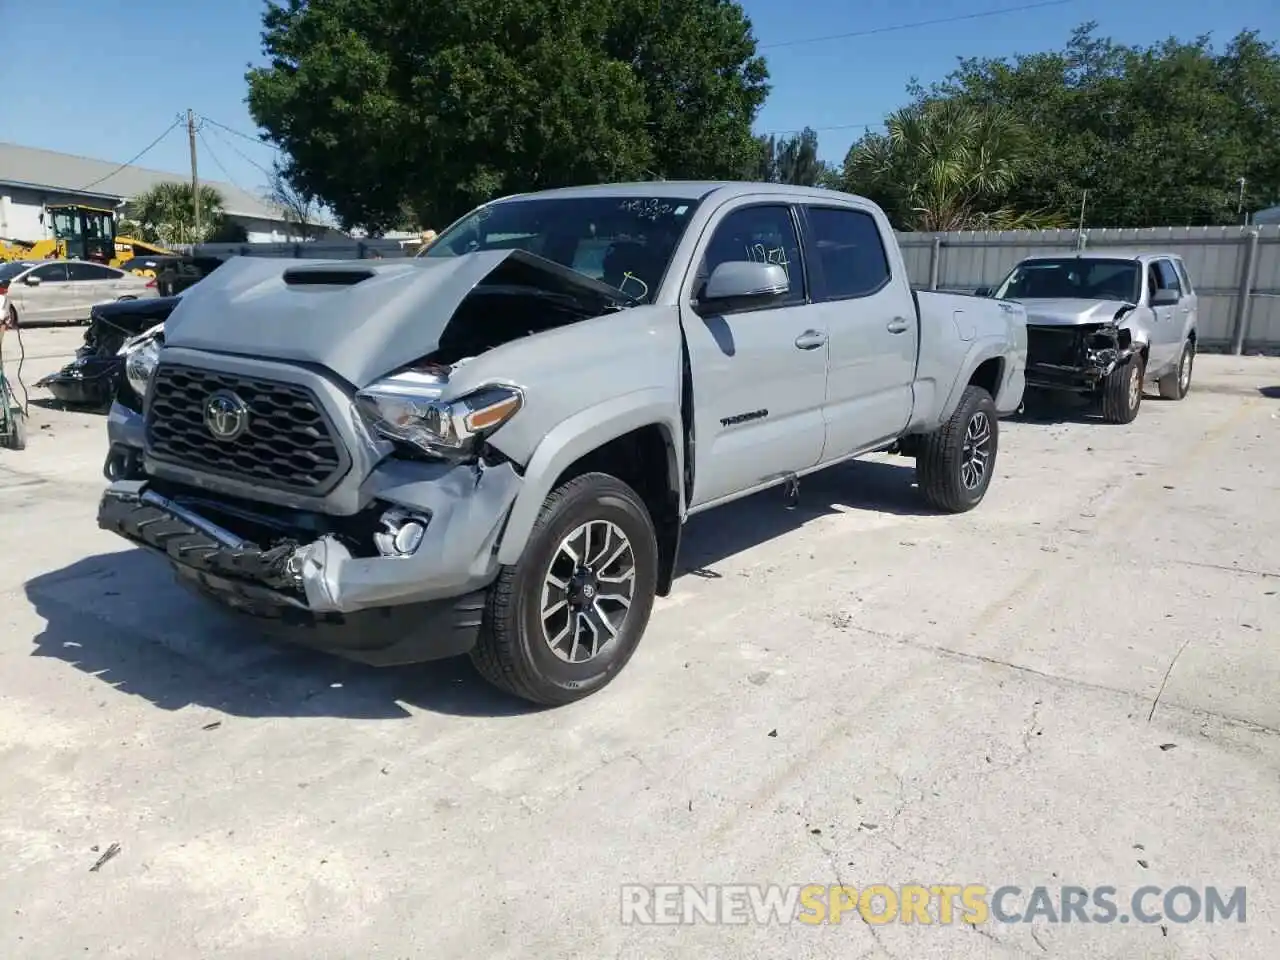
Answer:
x=1103 y=323
x=492 y=447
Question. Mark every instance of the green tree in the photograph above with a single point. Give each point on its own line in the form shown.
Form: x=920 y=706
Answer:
x=1159 y=135
x=432 y=106
x=792 y=159
x=166 y=213
x=944 y=165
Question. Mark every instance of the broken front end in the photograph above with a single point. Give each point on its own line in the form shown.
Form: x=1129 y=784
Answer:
x=337 y=489
x=1075 y=358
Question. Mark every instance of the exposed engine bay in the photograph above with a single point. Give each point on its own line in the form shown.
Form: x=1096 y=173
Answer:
x=1078 y=357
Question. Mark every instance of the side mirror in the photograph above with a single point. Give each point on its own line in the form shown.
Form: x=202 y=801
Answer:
x=32 y=281
x=982 y=292
x=745 y=280
x=1165 y=298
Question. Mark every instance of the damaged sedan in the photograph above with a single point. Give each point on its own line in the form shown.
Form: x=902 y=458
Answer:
x=1102 y=324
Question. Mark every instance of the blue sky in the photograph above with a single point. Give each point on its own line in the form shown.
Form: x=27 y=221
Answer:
x=146 y=62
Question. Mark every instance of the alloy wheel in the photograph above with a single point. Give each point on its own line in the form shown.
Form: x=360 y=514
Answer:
x=976 y=452
x=587 y=591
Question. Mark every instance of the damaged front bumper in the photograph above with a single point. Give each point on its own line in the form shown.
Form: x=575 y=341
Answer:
x=403 y=583
x=1075 y=358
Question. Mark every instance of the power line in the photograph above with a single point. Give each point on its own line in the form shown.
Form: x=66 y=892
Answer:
x=243 y=136
x=138 y=156
x=837 y=126
x=217 y=160
x=912 y=26
x=240 y=153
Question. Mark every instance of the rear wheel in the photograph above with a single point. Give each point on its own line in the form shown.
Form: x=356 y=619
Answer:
x=1122 y=391
x=955 y=462
x=1175 y=384
x=564 y=620
x=16 y=438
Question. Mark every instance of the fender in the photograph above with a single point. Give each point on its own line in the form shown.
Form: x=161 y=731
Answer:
x=983 y=350
x=573 y=439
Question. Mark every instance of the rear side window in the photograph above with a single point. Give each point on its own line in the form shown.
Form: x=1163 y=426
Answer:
x=91 y=271
x=1182 y=275
x=850 y=251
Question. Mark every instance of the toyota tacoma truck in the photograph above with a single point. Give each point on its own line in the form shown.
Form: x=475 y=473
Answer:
x=491 y=448
x=1102 y=323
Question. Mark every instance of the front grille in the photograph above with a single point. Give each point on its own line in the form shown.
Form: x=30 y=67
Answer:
x=289 y=443
x=1059 y=346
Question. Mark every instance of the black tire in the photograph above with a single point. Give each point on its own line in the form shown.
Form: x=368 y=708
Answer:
x=513 y=651
x=1121 y=400
x=13 y=316
x=1176 y=384
x=16 y=439
x=945 y=463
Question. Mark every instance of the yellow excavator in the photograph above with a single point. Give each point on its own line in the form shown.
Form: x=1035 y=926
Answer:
x=81 y=233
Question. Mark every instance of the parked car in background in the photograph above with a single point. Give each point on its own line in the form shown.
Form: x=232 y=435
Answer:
x=1103 y=323
x=173 y=273
x=65 y=291
x=493 y=447
x=93 y=378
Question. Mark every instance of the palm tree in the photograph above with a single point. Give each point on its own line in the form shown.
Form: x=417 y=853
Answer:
x=166 y=214
x=945 y=165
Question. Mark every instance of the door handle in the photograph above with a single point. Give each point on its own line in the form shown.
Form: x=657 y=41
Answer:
x=898 y=325
x=811 y=340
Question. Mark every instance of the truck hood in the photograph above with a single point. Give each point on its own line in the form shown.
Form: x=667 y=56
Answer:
x=360 y=319
x=1072 y=313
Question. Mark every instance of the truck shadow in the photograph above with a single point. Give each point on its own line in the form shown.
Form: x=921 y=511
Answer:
x=122 y=619
x=881 y=486
x=1271 y=393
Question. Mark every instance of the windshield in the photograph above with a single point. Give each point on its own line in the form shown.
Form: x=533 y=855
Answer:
x=1072 y=278
x=10 y=270
x=627 y=242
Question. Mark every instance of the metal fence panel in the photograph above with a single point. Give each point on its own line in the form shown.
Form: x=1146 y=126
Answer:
x=1216 y=257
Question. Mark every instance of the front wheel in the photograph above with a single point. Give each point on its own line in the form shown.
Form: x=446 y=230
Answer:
x=1174 y=385
x=1122 y=391
x=564 y=620
x=955 y=462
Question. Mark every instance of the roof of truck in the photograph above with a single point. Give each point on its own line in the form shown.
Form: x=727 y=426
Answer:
x=681 y=189
x=1141 y=255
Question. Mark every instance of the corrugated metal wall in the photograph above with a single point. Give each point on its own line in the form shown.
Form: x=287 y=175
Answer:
x=1216 y=258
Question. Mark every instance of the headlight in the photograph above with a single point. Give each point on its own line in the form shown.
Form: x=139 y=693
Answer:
x=407 y=407
x=140 y=357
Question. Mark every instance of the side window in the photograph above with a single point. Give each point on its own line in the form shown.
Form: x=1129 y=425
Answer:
x=765 y=234
x=1182 y=276
x=51 y=272
x=90 y=271
x=850 y=251
x=1167 y=277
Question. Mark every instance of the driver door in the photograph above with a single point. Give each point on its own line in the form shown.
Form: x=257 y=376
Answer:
x=46 y=300
x=1166 y=328
x=759 y=371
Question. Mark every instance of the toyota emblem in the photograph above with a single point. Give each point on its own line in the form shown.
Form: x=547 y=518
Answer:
x=226 y=416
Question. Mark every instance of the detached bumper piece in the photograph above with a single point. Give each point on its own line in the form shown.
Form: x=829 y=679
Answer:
x=265 y=584
x=1074 y=358
x=87 y=382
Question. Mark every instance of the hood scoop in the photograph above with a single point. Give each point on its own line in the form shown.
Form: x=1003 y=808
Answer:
x=325 y=276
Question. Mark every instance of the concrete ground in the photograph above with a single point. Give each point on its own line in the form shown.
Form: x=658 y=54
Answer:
x=1071 y=685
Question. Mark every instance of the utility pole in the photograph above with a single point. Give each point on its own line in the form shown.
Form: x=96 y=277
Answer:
x=195 y=176
x=1084 y=199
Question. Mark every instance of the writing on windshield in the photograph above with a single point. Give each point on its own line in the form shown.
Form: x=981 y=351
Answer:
x=626 y=242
